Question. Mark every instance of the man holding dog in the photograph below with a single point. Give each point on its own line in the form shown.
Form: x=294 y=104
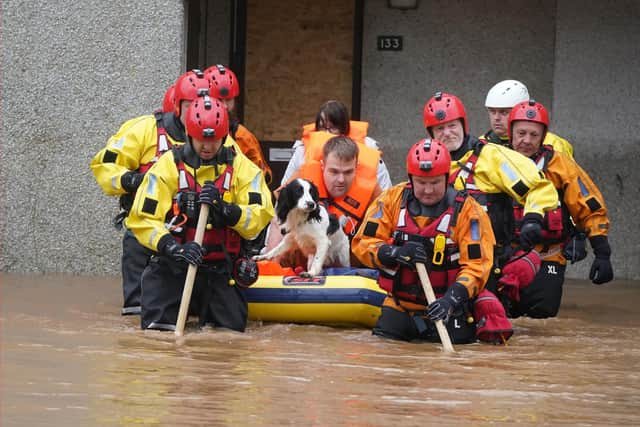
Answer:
x=426 y=221
x=164 y=217
x=346 y=179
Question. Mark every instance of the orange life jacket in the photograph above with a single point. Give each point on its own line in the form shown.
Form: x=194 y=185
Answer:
x=357 y=131
x=354 y=203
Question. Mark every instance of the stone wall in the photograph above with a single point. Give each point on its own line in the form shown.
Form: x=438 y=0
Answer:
x=72 y=73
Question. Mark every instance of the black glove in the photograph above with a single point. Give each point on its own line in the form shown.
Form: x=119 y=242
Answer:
x=531 y=231
x=189 y=252
x=222 y=214
x=245 y=272
x=601 y=269
x=131 y=180
x=407 y=255
x=209 y=194
x=225 y=214
x=576 y=248
x=450 y=302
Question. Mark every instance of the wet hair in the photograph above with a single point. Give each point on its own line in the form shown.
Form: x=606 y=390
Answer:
x=336 y=113
x=342 y=146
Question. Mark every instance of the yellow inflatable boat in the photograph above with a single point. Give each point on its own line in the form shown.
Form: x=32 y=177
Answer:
x=352 y=299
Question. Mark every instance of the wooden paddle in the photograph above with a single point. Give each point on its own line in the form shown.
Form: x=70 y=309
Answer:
x=431 y=297
x=191 y=272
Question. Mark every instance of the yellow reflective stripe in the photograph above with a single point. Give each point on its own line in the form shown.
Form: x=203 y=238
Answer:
x=508 y=171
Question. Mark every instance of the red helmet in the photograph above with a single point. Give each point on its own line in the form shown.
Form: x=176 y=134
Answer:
x=224 y=84
x=428 y=157
x=207 y=119
x=168 y=103
x=189 y=86
x=529 y=111
x=442 y=108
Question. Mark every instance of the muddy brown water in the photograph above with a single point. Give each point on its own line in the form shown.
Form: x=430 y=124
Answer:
x=70 y=359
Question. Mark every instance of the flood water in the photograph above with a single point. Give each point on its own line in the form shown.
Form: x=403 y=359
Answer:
x=70 y=359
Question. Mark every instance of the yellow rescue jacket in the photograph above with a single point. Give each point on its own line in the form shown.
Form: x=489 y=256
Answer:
x=155 y=196
x=135 y=144
x=559 y=144
x=499 y=169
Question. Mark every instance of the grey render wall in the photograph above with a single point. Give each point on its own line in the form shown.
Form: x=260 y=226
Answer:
x=596 y=105
x=72 y=73
x=579 y=58
x=455 y=46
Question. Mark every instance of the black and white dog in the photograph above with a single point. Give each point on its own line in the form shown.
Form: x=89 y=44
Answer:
x=307 y=226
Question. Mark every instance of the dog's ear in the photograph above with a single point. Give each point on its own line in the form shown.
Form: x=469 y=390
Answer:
x=315 y=195
x=313 y=191
x=283 y=206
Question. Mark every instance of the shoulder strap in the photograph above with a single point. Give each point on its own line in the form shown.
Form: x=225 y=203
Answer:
x=458 y=201
x=547 y=153
x=177 y=154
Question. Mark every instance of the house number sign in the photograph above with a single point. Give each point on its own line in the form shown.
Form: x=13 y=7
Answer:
x=389 y=42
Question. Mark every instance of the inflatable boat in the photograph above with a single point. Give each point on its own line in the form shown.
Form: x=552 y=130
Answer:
x=339 y=297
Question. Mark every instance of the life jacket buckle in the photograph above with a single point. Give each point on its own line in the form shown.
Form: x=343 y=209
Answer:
x=439 y=244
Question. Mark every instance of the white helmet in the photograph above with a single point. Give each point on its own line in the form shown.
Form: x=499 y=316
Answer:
x=506 y=94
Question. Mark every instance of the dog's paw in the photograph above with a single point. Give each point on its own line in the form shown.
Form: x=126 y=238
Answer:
x=258 y=257
x=310 y=273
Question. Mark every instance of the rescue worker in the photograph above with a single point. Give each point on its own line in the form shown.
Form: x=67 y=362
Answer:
x=500 y=100
x=492 y=174
x=426 y=221
x=225 y=87
x=120 y=167
x=332 y=119
x=580 y=202
x=164 y=218
x=346 y=179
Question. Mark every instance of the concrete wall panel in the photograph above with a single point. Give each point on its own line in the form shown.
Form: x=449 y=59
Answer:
x=596 y=106
x=72 y=73
x=456 y=46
